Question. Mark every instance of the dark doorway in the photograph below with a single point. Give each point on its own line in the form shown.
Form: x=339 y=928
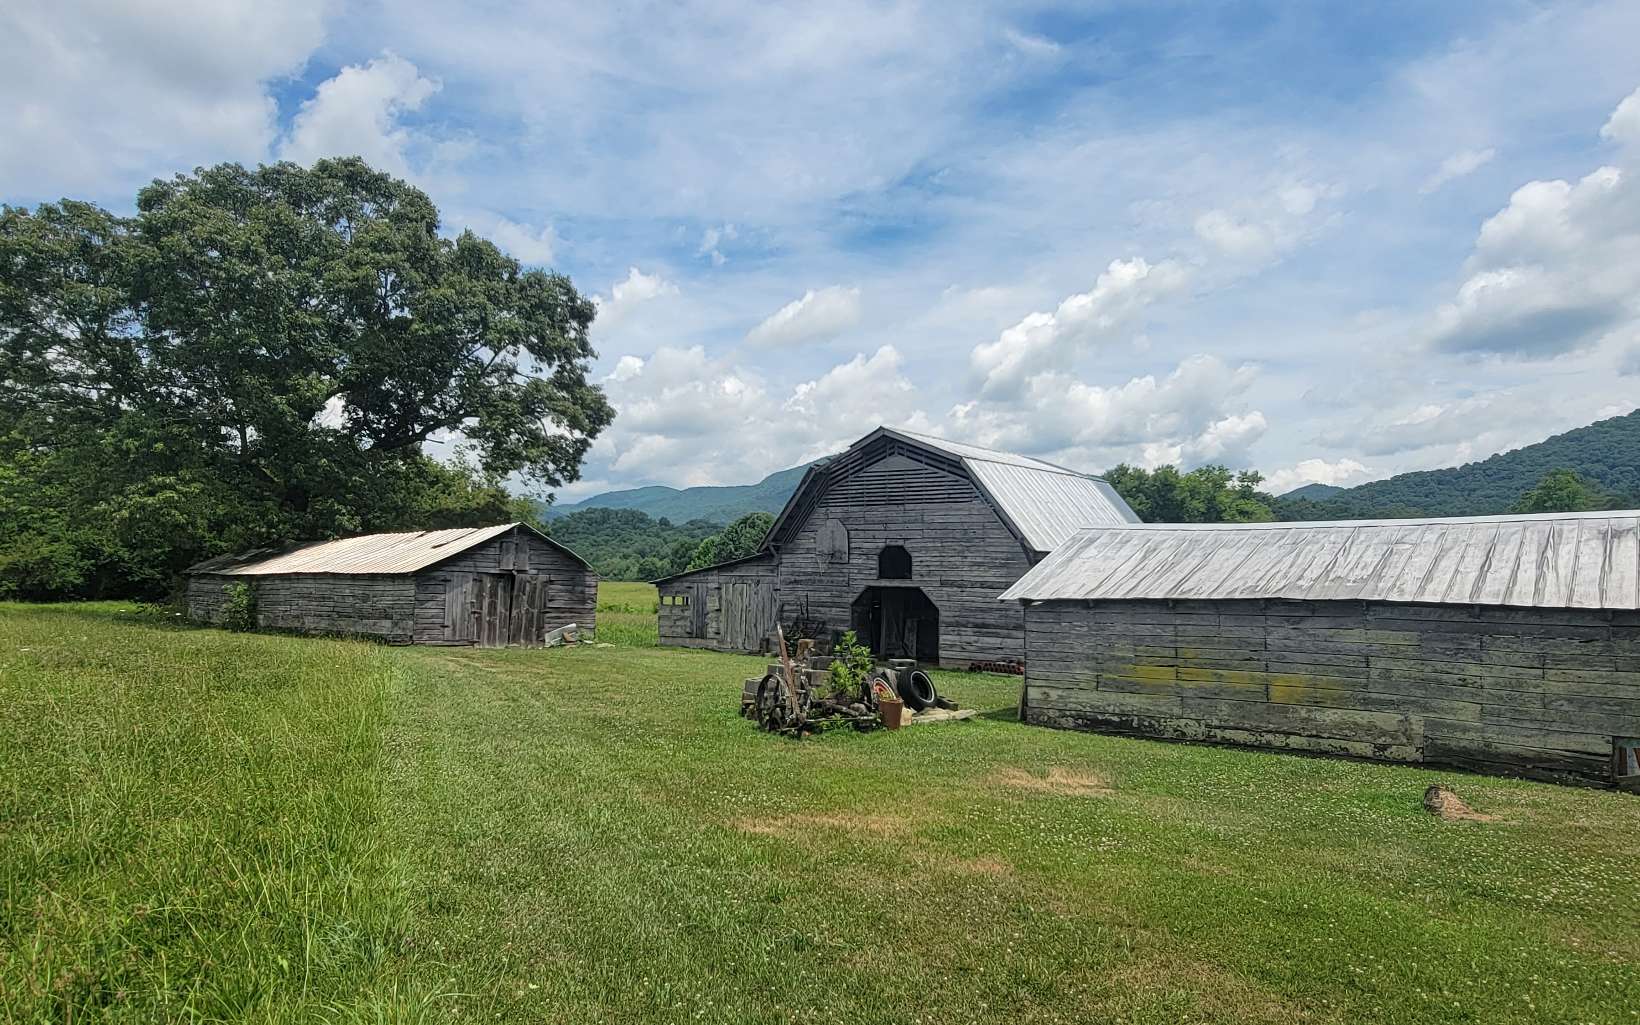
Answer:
x=893 y=563
x=898 y=622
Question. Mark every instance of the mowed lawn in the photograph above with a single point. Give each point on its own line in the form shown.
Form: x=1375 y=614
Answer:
x=198 y=825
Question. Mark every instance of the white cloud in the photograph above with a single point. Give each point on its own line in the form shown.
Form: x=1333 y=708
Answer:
x=1551 y=272
x=686 y=418
x=102 y=95
x=1034 y=46
x=1187 y=417
x=817 y=316
x=1459 y=164
x=629 y=293
x=1624 y=124
x=1264 y=227
x=525 y=244
x=1338 y=473
x=1628 y=363
x=357 y=113
x=712 y=238
x=1051 y=341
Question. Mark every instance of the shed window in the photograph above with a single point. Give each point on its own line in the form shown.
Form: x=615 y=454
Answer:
x=893 y=563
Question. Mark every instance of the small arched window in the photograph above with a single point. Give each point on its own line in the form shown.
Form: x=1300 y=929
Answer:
x=893 y=563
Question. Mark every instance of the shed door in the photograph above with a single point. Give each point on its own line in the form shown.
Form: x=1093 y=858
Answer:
x=697 y=611
x=461 y=607
x=494 y=609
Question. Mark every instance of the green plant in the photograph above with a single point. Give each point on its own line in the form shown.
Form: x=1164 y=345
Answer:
x=851 y=665
x=239 y=611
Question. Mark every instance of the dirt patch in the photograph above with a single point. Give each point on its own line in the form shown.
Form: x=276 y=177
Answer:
x=1448 y=806
x=1057 y=781
x=994 y=867
x=854 y=823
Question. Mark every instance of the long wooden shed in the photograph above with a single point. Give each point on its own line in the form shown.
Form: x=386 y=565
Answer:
x=1505 y=643
x=905 y=538
x=493 y=586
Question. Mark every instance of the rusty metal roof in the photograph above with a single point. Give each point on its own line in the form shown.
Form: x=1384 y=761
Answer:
x=1046 y=504
x=1564 y=560
x=368 y=553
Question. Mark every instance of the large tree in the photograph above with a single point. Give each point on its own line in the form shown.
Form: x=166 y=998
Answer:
x=1207 y=494
x=264 y=354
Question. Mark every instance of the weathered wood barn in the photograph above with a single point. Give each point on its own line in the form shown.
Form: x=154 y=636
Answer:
x=490 y=586
x=1505 y=643
x=906 y=539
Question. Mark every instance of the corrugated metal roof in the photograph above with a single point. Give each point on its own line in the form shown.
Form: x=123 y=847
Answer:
x=1569 y=560
x=1047 y=504
x=368 y=553
x=725 y=564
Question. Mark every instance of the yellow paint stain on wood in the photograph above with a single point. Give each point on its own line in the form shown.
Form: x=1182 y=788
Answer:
x=1139 y=671
x=1297 y=689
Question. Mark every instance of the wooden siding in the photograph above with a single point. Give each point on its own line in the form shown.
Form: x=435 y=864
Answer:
x=734 y=608
x=460 y=601
x=962 y=556
x=1525 y=691
x=316 y=603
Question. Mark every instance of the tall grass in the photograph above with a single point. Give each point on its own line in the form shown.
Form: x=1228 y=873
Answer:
x=191 y=825
x=626 y=613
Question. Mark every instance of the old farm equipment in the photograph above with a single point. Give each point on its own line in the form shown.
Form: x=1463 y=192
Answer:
x=798 y=695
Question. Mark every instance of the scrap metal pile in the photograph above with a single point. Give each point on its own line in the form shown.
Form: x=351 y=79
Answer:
x=799 y=695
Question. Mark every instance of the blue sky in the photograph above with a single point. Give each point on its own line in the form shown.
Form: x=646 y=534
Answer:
x=1332 y=242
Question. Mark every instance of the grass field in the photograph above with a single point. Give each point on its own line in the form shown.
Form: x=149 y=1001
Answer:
x=196 y=825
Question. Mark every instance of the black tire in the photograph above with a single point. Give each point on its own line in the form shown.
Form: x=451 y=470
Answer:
x=917 y=690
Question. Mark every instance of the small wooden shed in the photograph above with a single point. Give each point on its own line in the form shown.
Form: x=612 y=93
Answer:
x=1502 y=643
x=507 y=584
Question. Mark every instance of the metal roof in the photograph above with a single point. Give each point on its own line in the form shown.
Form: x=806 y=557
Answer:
x=368 y=553
x=763 y=553
x=1565 y=560
x=1046 y=504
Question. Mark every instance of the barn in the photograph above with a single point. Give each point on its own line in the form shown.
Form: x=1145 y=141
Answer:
x=491 y=586
x=906 y=539
x=1508 y=643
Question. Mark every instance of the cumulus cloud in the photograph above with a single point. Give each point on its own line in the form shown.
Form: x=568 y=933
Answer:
x=103 y=94
x=1186 y=417
x=1459 y=164
x=1624 y=124
x=688 y=418
x=1338 y=473
x=357 y=113
x=1044 y=342
x=629 y=293
x=1556 y=269
x=1265 y=227
x=817 y=316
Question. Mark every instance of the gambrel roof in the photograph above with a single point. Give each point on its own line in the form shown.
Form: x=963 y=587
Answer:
x=1557 y=560
x=408 y=552
x=1043 y=504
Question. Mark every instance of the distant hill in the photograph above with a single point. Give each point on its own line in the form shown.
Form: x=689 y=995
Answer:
x=1606 y=453
x=717 y=504
x=1314 y=492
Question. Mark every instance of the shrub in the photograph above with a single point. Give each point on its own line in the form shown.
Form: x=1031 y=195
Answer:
x=851 y=665
x=239 y=611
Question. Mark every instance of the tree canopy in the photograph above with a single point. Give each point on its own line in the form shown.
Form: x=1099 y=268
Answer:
x=1207 y=494
x=739 y=539
x=1561 y=491
x=262 y=355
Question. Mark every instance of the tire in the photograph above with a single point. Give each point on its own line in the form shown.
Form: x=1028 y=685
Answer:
x=917 y=690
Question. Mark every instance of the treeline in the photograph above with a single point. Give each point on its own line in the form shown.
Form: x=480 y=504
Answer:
x=625 y=544
x=261 y=356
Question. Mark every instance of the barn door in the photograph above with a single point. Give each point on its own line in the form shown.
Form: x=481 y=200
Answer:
x=495 y=591
x=461 y=608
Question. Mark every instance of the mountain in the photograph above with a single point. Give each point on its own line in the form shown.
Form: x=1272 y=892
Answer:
x=1607 y=453
x=1314 y=492
x=717 y=504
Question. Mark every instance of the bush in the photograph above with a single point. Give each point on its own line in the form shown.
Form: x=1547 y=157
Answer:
x=239 y=611
x=851 y=665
